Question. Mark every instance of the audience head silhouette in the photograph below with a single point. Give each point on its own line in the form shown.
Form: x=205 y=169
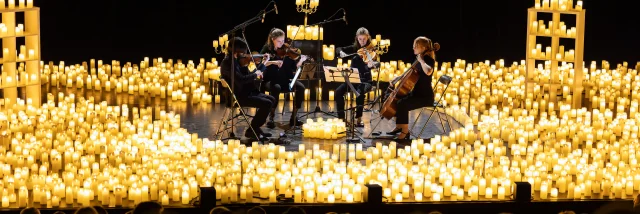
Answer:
x=220 y=210
x=30 y=210
x=86 y=210
x=148 y=207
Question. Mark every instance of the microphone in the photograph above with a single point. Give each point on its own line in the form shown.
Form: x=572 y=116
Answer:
x=263 y=14
x=344 y=16
x=275 y=6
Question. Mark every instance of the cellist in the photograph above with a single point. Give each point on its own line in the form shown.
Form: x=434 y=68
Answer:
x=422 y=94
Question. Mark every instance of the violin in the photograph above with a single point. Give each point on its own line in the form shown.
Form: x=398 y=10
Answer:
x=246 y=59
x=287 y=50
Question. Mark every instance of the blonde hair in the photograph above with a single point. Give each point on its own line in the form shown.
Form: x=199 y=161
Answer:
x=430 y=46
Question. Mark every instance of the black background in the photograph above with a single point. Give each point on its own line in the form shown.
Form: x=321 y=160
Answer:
x=128 y=30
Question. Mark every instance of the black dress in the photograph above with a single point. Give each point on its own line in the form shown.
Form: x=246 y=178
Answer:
x=277 y=79
x=421 y=95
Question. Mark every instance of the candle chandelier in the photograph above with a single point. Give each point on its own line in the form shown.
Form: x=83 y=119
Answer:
x=307 y=7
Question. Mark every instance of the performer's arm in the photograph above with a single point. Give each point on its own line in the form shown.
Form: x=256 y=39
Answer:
x=238 y=75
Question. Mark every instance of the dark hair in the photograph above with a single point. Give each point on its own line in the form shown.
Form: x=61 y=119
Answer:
x=220 y=210
x=362 y=31
x=275 y=33
x=148 y=207
x=100 y=209
x=239 y=46
x=30 y=210
x=86 y=210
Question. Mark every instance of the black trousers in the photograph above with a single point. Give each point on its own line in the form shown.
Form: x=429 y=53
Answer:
x=362 y=88
x=408 y=103
x=276 y=88
x=263 y=103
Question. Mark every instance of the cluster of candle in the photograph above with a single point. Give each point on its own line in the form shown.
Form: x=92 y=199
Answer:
x=389 y=70
x=21 y=55
x=159 y=79
x=328 y=52
x=561 y=54
x=566 y=32
x=22 y=78
x=11 y=4
x=561 y=5
x=320 y=129
x=305 y=32
x=539 y=28
x=573 y=153
x=312 y=3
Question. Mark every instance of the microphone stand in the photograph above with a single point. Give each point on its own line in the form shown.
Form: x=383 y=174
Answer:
x=232 y=32
x=319 y=69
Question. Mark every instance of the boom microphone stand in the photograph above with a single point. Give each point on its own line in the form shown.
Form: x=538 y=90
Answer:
x=232 y=32
x=319 y=66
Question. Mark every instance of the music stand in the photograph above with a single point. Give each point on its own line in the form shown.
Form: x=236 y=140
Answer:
x=348 y=76
x=292 y=88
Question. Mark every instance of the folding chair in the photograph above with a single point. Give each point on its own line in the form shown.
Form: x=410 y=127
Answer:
x=444 y=79
x=229 y=114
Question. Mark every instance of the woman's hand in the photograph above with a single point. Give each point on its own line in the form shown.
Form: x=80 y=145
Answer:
x=370 y=64
x=276 y=62
x=420 y=59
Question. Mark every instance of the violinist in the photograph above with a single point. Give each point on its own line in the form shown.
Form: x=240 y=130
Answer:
x=363 y=63
x=244 y=87
x=279 y=72
x=422 y=94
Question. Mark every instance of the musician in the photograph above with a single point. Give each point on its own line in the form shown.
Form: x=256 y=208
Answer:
x=279 y=73
x=422 y=94
x=362 y=40
x=244 y=87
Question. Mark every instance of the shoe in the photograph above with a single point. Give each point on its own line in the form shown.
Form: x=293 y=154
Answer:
x=271 y=124
x=405 y=139
x=395 y=131
x=359 y=125
x=266 y=134
x=298 y=122
x=261 y=136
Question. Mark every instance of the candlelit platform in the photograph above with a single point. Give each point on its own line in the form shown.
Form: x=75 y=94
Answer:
x=94 y=140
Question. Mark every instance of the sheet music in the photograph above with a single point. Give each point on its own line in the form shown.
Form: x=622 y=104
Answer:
x=295 y=77
x=333 y=74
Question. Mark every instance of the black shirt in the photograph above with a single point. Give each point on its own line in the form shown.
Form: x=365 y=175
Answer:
x=280 y=75
x=244 y=79
x=423 y=86
x=358 y=62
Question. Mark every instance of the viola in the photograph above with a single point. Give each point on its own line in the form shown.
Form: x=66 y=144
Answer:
x=405 y=85
x=367 y=53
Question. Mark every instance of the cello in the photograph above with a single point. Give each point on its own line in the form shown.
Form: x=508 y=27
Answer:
x=405 y=85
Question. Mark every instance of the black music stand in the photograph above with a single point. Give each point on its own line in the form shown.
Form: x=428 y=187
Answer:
x=292 y=88
x=348 y=76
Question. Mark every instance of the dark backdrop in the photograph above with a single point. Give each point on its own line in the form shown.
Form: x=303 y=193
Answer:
x=128 y=30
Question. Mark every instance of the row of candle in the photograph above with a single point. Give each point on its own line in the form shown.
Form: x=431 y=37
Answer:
x=22 y=79
x=538 y=27
x=164 y=80
x=302 y=32
x=561 y=5
x=30 y=55
x=320 y=129
x=11 y=4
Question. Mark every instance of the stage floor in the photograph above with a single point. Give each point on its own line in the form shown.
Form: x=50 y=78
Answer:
x=205 y=119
